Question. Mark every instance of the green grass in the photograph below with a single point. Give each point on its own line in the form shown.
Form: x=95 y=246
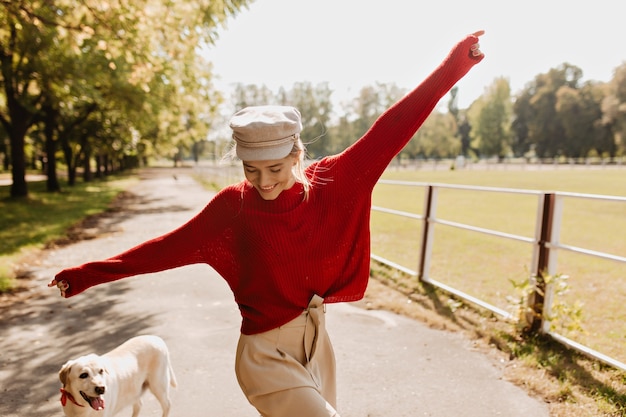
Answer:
x=30 y=223
x=484 y=266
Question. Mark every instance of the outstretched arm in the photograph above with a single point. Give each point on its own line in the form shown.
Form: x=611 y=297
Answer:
x=370 y=155
x=185 y=245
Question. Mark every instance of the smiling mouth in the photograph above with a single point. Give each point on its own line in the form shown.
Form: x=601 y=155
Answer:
x=267 y=189
x=97 y=403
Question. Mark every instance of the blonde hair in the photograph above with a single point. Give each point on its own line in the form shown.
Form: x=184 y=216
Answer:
x=299 y=152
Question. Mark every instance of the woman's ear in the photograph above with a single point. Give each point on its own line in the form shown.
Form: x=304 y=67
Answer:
x=295 y=158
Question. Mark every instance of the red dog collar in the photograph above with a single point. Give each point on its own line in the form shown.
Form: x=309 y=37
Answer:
x=67 y=396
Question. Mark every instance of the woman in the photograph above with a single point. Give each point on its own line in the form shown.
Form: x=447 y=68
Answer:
x=288 y=240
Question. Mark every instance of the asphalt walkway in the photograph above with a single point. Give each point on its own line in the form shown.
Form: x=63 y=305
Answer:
x=388 y=365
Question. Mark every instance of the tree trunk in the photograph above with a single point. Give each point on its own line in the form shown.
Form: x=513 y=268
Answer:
x=98 y=160
x=87 y=174
x=21 y=120
x=68 y=155
x=52 y=182
x=18 y=163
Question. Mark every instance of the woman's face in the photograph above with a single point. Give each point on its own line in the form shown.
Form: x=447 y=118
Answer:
x=270 y=178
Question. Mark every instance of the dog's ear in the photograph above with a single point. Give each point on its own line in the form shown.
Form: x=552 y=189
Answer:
x=65 y=369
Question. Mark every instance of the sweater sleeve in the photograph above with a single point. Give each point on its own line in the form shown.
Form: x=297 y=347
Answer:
x=185 y=245
x=370 y=155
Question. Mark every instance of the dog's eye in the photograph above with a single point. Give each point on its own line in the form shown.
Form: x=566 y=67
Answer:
x=83 y=375
x=101 y=371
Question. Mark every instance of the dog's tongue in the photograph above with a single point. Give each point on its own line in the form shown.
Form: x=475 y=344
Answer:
x=97 y=403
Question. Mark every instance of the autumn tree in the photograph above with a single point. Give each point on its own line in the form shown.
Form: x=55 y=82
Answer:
x=144 y=44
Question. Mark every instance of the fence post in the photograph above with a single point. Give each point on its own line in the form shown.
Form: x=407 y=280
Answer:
x=428 y=231
x=537 y=299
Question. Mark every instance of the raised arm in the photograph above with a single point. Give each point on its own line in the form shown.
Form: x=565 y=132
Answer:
x=371 y=154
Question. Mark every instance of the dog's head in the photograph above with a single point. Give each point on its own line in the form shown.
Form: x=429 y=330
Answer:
x=84 y=381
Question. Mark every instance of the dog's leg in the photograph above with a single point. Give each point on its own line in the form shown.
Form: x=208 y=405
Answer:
x=162 y=393
x=159 y=383
x=166 y=405
x=137 y=407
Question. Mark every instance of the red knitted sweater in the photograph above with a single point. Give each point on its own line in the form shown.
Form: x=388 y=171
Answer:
x=275 y=255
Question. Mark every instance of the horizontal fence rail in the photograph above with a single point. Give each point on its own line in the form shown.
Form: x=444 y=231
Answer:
x=545 y=247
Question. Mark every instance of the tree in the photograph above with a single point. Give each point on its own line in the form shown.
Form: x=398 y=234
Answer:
x=144 y=42
x=544 y=128
x=21 y=37
x=371 y=102
x=614 y=108
x=436 y=138
x=463 y=126
x=522 y=115
x=579 y=111
x=252 y=95
x=314 y=104
x=492 y=131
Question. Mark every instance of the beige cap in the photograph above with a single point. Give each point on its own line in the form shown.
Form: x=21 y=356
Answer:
x=265 y=133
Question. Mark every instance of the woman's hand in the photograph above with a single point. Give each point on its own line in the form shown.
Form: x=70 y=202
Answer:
x=62 y=285
x=475 y=51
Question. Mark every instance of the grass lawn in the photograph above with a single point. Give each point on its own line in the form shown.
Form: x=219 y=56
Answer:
x=485 y=266
x=30 y=223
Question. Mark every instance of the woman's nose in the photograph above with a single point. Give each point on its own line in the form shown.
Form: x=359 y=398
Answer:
x=264 y=179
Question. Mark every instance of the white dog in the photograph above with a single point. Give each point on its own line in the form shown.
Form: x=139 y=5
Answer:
x=101 y=386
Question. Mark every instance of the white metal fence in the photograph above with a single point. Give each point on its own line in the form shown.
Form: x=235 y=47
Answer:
x=546 y=244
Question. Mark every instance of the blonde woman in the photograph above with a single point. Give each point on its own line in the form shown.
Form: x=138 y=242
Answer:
x=288 y=240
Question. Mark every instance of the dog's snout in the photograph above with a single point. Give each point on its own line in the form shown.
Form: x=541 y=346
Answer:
x=100 y=390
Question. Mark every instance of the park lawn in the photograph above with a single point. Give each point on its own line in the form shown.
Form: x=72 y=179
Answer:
x=30 y=223
x=486 y=267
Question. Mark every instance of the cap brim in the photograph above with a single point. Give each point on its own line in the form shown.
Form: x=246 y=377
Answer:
x=263 y=154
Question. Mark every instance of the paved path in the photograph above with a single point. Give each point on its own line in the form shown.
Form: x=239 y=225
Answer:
x=388 y=365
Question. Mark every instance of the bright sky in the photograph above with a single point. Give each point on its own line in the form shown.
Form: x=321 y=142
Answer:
x=354 y=43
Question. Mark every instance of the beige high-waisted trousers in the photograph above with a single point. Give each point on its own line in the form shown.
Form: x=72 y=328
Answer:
x=290 y=371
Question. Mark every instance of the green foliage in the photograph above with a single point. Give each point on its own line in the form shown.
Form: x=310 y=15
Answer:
x=435 y=139
x=554 y=116
x=491 y=125
x=563 y=317
x=99 y=78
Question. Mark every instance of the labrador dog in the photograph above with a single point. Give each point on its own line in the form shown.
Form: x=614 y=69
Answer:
x=101 y=386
